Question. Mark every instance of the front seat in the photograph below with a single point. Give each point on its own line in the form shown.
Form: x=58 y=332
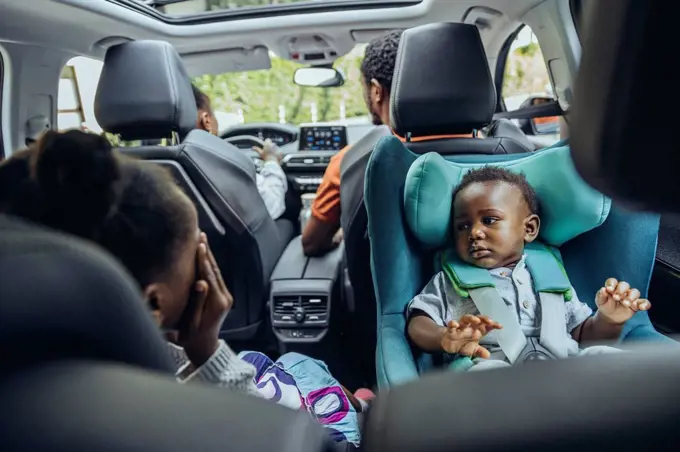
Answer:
x=144 y=93
x=85 y=368
x=432 y=94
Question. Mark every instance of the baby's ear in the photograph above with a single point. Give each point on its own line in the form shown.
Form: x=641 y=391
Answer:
x=532 y=225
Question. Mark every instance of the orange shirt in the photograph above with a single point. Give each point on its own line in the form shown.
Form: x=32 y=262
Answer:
x=326 y=205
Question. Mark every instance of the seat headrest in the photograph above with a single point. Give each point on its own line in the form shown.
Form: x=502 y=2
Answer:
x=569 y=206
x=442 y=84
x=62 y=298
x=145 y=92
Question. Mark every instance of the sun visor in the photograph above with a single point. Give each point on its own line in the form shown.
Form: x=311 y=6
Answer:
x=626 y=101
x=227 y=60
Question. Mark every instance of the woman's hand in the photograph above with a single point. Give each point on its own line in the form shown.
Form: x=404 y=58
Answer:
x=199 y=334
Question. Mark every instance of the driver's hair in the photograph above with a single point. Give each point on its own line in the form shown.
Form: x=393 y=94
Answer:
x=202 y=99
x=380 y=58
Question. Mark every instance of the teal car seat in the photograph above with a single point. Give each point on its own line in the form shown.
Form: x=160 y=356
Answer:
x=408 y=198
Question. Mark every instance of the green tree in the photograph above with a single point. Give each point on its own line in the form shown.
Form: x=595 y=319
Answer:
x=258 y=94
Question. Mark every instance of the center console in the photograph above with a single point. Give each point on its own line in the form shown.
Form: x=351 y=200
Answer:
x=322 y=138
x=302 y=294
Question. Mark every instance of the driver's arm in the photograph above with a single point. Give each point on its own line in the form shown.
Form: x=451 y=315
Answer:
x=273 y=185
x=324 y=222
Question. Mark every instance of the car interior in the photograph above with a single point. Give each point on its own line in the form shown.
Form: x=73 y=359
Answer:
x=84 y=375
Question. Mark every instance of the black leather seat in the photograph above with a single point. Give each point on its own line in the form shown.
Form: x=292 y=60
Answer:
x=586 y=404
x=145 y=93
x=84 y=367
x=445 y=90
x=61 y=298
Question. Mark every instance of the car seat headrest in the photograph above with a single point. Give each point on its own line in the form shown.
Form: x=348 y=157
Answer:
x=442 y=84
x=568 y=206
x=62 y=298
x=144 y=92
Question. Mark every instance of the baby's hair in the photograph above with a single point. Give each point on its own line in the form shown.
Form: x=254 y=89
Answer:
x=498 y=174
x=75 y=182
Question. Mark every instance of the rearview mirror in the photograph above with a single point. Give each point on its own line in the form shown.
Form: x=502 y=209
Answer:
x=318 y=77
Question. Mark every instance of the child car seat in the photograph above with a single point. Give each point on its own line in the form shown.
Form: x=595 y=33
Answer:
x=408 y=201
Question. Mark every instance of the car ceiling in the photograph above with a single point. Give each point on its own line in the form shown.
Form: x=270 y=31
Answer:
x=88 y=27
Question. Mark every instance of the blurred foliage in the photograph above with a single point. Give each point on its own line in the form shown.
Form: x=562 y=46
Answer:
x=526 y=72
x=258 y=94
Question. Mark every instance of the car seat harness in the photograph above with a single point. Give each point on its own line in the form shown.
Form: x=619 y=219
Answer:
x=550 y=282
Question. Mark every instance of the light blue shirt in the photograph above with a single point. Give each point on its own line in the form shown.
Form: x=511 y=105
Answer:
x=442 y=304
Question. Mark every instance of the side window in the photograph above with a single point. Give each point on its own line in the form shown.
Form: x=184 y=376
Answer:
x=526 y=83
x=77 y=88
x=71 y=115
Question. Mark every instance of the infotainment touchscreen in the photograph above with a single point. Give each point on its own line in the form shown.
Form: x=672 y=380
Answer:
x=323 y=138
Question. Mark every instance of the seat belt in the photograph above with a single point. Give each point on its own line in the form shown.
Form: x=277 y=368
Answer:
x=553 y=330
x=510 y=338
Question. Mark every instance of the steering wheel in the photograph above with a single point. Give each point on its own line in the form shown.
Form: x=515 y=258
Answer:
x=255 y=140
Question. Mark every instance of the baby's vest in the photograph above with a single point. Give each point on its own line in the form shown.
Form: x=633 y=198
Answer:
x=550 y=282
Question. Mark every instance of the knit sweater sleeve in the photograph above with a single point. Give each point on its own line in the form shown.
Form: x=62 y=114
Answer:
x=224 y=368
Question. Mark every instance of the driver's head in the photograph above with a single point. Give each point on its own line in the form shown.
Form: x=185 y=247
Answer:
x=376 y=75
x=206 y=117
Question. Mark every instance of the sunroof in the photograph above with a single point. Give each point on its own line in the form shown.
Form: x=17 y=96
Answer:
x=203 y=9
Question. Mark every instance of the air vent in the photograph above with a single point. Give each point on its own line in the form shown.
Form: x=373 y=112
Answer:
x=291 y=310
x=315 y=308
x=308 y=160
x=284 y=308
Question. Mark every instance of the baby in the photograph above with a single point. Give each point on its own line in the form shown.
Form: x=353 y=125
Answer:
x=494 y=215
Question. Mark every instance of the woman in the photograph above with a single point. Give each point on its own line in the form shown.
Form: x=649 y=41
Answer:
x=76 y=183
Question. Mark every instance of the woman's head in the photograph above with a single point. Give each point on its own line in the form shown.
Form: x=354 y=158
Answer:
x=76 y=183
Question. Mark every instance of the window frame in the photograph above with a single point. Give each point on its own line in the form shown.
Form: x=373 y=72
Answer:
x=69 y=73
x=522 y=113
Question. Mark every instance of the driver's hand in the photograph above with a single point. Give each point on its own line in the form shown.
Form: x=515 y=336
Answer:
x=269 y=152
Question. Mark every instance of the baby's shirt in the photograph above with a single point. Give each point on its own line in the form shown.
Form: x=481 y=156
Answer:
x=441 y=303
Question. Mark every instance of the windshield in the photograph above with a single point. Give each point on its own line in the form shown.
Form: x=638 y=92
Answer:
x=271 y=96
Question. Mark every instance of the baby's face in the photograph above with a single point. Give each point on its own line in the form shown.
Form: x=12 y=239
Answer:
x=491 y=223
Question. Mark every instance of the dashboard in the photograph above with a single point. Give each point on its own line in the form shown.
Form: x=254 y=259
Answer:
x=306 y=150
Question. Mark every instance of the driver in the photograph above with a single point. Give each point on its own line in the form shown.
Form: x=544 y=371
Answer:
x=272 y=183
x=494 y=215
x=322 y=232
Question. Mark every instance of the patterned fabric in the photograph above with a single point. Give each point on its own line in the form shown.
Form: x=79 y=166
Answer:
x=295 y=381
x=303 y=383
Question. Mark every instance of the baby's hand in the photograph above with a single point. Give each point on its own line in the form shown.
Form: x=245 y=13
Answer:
x=617 y=302
x=463 y=336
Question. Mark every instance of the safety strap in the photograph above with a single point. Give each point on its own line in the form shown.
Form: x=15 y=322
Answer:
x=550 y=282
x=553 y=330
x=510 y=338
